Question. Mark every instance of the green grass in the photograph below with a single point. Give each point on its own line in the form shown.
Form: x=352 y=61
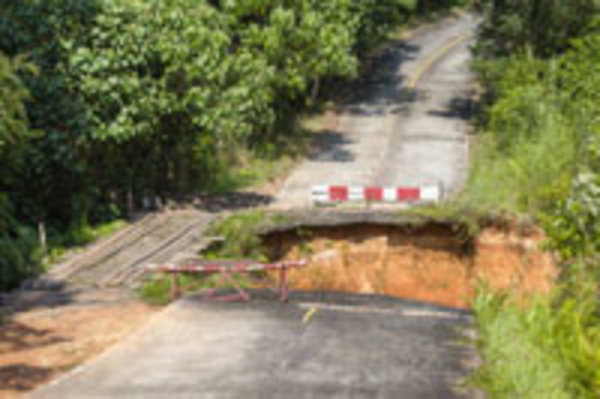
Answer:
x=524 y=157
x=107 y=229
x=250 y=171
x=529 y=178
x=240 y=237
x=524 y=163
x=545 y=349
x=243 y=168
x=156 y=292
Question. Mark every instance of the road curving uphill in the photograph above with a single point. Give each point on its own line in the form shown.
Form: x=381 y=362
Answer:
x=407 y=127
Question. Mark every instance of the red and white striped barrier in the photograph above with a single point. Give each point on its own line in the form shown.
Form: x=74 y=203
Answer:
x=226 y=269
x=338 y=194
x=232 y=266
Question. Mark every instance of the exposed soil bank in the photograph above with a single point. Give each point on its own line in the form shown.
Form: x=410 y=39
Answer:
x=433 y=262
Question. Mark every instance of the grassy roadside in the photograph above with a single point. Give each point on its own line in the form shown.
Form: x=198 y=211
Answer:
x=536 y=155
x=157 y=291
x=547 y=348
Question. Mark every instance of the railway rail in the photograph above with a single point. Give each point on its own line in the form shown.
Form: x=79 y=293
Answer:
x=118 y=260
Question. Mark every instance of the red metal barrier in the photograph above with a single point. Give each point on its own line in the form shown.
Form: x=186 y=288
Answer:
x=226 y=269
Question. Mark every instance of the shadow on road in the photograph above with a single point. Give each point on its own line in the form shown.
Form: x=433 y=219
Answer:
x=379 y=91
x=236 y=200
x=329 y=146
x=460 y=107
x=381 y=84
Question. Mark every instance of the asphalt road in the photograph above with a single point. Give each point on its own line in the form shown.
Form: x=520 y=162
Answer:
x=352 y=347
x=406 y=127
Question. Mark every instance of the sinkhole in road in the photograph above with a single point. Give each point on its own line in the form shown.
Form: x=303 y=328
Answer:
x=433 y=262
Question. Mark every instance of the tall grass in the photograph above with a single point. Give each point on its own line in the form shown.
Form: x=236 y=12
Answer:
x=524 y=158
x=541 y=350
x=537 y=155
x=528 y=177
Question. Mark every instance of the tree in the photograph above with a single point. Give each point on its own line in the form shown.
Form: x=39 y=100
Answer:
x=17 y=243
x=546 y=27
x=39 y=30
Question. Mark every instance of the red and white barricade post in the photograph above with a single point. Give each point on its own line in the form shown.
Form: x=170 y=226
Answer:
x=226 y=269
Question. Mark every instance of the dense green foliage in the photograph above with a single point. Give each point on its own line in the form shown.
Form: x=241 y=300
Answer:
x=525 y=160
x=17 y=242
x=540 y=120
x=545 y=27
x=125 y=100
x=539 y=154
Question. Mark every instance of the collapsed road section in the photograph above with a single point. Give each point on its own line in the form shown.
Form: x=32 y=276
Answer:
x=325 y=343
x=426 y=259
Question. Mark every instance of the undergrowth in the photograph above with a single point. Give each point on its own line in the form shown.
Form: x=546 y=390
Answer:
x=538 y=155
x=524 y=157
x=157 y=291
x=240 y=239
x=548 y=348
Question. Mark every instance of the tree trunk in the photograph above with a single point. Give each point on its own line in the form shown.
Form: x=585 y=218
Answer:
x=315 y=90
x=130 y=201
x=42 y=237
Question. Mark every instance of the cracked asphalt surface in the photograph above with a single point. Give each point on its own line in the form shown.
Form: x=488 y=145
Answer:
x=352 y=347
x=390 y=135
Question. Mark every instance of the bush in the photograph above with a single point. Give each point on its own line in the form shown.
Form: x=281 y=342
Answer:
x=544 y=26
x=240 y=237
x=19 y=258
x=19 y=252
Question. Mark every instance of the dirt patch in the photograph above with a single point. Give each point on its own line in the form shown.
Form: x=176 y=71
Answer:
x=37 y=345
x=432 y=263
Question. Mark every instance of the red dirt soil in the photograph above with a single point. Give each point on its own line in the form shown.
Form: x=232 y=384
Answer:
x=37 y=345
x=428 y=263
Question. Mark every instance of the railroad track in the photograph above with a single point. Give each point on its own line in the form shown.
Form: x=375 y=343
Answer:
x=119 y=260
x=186 y=238
x=105 y=249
